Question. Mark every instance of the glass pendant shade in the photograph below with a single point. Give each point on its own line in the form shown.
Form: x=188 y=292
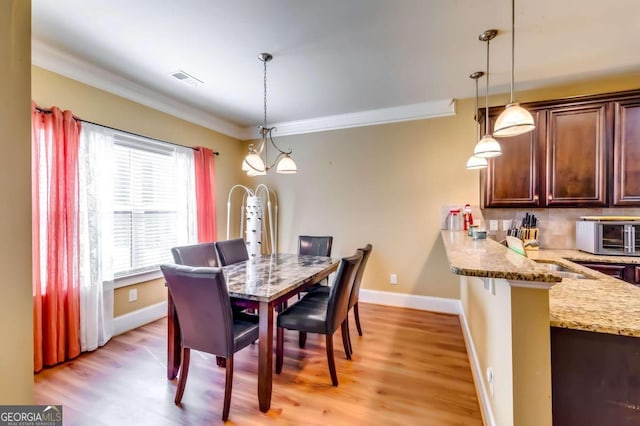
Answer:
x=286 y=165
x=252 y=173
x=487 y=147
x=253 y=163
x=475 y=163
x=513 y=121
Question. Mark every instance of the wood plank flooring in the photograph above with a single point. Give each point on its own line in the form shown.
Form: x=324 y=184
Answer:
x=409 y=368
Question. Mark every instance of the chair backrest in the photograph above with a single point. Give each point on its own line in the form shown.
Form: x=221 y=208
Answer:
x=195 y=255
x=355 y=290
x=314 y=245
x=232 y=251
x=203 y=307
x=338 y=304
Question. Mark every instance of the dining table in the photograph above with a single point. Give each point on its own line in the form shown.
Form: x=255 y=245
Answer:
x=263 y=283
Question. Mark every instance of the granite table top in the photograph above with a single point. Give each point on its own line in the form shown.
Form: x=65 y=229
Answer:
x=266 y=278
x=597 y=303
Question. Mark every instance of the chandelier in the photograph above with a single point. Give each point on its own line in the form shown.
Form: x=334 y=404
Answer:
x=255 y=163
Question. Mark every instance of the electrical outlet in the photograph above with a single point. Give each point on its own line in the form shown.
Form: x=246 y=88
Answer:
x=393 y=279
x=133 y=295
x=490 y=379
x=506 y=224
x=493 y=225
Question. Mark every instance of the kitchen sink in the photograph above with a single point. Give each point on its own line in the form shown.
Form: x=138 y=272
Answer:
x=563 y=271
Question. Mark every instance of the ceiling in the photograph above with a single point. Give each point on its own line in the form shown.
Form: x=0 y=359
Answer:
x=331 y=57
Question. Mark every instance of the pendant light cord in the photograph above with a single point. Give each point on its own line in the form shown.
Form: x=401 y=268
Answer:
x=265 y=94
x=513 y=43
x=477 y=118
x=486 y=95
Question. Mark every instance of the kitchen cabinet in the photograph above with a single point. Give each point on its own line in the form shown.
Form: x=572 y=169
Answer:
x=625 y=272
x=521 y=157
x=576 y=164
x=584 y=152
x=595 y=378
x=626 y=148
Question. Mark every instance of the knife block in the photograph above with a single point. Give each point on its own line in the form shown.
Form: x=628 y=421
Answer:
x=530 y=235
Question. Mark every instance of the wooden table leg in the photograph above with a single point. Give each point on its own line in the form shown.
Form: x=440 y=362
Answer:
x=174 y=347
x=265 y=356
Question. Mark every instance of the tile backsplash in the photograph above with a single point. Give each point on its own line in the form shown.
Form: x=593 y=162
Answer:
x=557 y=226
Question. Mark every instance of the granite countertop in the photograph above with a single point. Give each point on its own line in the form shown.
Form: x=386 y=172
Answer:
x=602 y=303
x=596 y=303
x=489 y=259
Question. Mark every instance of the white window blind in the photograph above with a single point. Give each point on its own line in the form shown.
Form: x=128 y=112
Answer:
x=152 y=188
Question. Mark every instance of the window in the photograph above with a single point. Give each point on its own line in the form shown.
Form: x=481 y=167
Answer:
x=153 y=203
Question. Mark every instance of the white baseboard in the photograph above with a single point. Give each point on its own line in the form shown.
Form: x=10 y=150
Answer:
x=424 y=303
x=476 y=370
x=135 y=319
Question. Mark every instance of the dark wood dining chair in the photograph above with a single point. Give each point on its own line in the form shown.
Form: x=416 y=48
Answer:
x=355 y=294
x=203 y=254
x=207 y=321
x=232 y=251
x=315 y=245
x=322 y=315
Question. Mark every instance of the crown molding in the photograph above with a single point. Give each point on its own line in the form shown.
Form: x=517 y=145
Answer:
x=53 y=59
x=420 y=111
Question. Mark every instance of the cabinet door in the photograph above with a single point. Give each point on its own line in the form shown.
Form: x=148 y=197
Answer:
x=513 y=179
x=635 y=274
x=576 y=172
x=611 y=269
x=626 y=164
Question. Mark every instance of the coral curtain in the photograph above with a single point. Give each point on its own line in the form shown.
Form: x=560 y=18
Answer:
x=205 y=194
x=55 y=233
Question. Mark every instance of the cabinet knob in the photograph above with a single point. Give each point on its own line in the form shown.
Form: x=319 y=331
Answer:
x=550 y=197
x=535 y=197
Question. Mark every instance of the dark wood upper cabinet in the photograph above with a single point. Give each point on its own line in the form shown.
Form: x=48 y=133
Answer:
x=576 y=164
x=626 y=148
x=513 y=179
x=584 y=152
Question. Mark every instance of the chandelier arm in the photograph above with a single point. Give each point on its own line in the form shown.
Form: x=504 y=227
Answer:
x=276 y=146
x=275 y=161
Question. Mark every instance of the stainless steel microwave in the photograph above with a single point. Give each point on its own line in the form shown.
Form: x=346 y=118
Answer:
x=611 y=235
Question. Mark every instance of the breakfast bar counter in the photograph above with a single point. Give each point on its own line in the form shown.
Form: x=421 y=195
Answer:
x=596 y=302
x=589 y=350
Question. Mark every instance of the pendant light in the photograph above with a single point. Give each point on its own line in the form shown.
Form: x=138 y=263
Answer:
x=475 y=163
x=254 y=164
x=487 y=147
x=514 y=120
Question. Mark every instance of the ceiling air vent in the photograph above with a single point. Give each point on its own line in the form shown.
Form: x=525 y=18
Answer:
x=186 y=78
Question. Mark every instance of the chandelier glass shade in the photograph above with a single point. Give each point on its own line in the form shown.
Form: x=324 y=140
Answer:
x=255 y=162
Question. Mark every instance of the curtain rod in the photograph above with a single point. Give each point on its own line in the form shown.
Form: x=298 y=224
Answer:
x=48 y=111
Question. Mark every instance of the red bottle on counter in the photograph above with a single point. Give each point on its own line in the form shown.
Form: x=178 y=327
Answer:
x=468 y=218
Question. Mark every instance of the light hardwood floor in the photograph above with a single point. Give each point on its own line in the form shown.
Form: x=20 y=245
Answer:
x=409 y=368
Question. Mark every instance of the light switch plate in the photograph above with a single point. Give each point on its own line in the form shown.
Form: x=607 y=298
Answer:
x=493 y=225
